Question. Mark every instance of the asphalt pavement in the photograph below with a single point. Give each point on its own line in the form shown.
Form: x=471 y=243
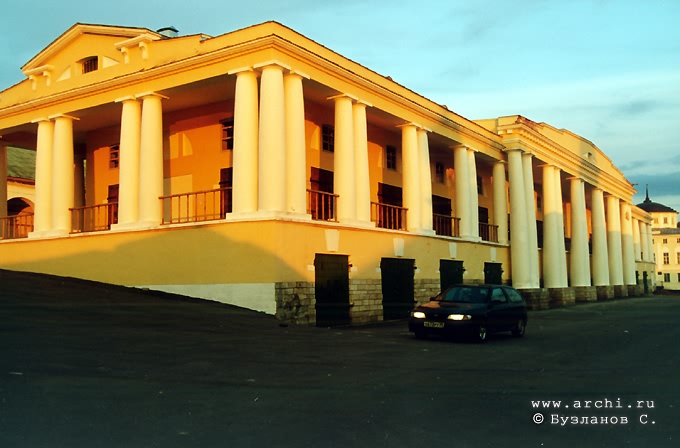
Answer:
x=85 y=364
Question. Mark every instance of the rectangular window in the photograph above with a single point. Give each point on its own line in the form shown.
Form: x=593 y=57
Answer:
x=391 y=157
x=114 y=156
x=664 y=241
x=228 y=134
x=665 y=220
x=666 y=258
x=328 y=138
x=480 y=186
x=667 y=277
x=679 y=277
x=90 y=64
x=678 y=241
x=439 y=172
x=677 y=255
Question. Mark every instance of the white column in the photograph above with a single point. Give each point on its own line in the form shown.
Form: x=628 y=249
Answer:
x=151 y=161
x=627 y=248
x=411 y=173
x=579 y=257
x=500 y=202
x=473 y=191
x=637 y=244
x=551 y=274
x=644 y=241
x=650 y=244
x=296 y=149
x=62 y=175
x=42 y=219
x=426 y=223
x=561 y=248
x=3 y=179
x=245 y=153
x=519 y=234
x=128 y=175
x=272 y=141
x=361 y=171
x=600 y=258
x=530 y=211
x=614 y=241
x=462 y=200
x=343 y=176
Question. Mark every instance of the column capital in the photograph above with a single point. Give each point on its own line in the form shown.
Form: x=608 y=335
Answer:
x=520 y=150
x=70 y=117
x=150 y=94
x=341 y=96
x=241 y=70
x=125 y=98
x=293 y=72
x=271 y=63
x=466 y=147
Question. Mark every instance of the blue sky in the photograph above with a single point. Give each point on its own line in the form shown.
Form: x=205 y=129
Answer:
x=608 y=70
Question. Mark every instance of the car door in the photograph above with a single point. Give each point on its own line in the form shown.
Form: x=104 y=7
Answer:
x=499 y=313
x=517 y=308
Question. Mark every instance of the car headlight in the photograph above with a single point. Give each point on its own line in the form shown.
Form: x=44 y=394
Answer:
x=418 y=315
x=459 y=317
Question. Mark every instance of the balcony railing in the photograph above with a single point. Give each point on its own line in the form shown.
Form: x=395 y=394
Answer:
x=488 y=232
x=322 y=205
x=17 y=226
x=446 y=225
x=94 y=218
x=196 y=206
x=388 y=216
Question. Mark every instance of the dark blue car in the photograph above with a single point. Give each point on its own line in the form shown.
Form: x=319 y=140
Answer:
x=475 y=310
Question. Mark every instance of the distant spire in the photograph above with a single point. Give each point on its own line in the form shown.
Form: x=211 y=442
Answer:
x=647 y=191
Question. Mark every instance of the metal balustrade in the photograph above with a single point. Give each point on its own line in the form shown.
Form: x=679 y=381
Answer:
x=388 y=216
x=94 y=218
x=446 y=225
x=196 y=206
x=322 y=205
x=488 y=232
x=16 y=226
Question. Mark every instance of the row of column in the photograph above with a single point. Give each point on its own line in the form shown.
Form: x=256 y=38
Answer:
x=417 y=179
x=54 y=177
x=141 y=162
x=616 y=236
x=269 y=141
x=351 y=174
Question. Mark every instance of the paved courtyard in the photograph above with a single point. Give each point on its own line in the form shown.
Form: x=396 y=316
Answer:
x=90 y=365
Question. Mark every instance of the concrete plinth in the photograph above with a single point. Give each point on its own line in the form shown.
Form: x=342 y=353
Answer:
x=634 y=291
x=536 y=298
x=605 y=292
x=584 y=294
x=560 y=297
x=620 y=291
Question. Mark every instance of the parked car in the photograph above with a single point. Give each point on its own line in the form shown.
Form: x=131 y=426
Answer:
x=476 y=310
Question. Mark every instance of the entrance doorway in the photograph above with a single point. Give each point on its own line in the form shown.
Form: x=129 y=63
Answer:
x=397 y=287
x=331 y=289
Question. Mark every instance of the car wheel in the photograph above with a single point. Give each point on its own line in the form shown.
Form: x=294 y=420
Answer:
x=482 y=333
x=520 y=328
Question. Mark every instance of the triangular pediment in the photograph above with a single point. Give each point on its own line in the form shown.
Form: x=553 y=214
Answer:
x=80 y=42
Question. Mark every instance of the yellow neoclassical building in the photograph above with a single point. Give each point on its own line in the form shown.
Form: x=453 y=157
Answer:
x=262 y=169
x=666 y=238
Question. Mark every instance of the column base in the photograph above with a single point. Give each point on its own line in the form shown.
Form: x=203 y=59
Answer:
x=605 y=292
x=536 y=298
x=584 y=294
x=561 y=297
x=60 y=233
x=634 y=291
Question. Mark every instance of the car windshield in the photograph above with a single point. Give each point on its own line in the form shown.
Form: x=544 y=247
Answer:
x=466 y=295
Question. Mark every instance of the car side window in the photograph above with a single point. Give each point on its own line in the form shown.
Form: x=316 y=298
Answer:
x=513 y=295
x=450 y=295
x=497 y=296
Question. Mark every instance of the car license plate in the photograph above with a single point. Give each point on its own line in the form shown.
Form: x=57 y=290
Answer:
x=433 y=324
